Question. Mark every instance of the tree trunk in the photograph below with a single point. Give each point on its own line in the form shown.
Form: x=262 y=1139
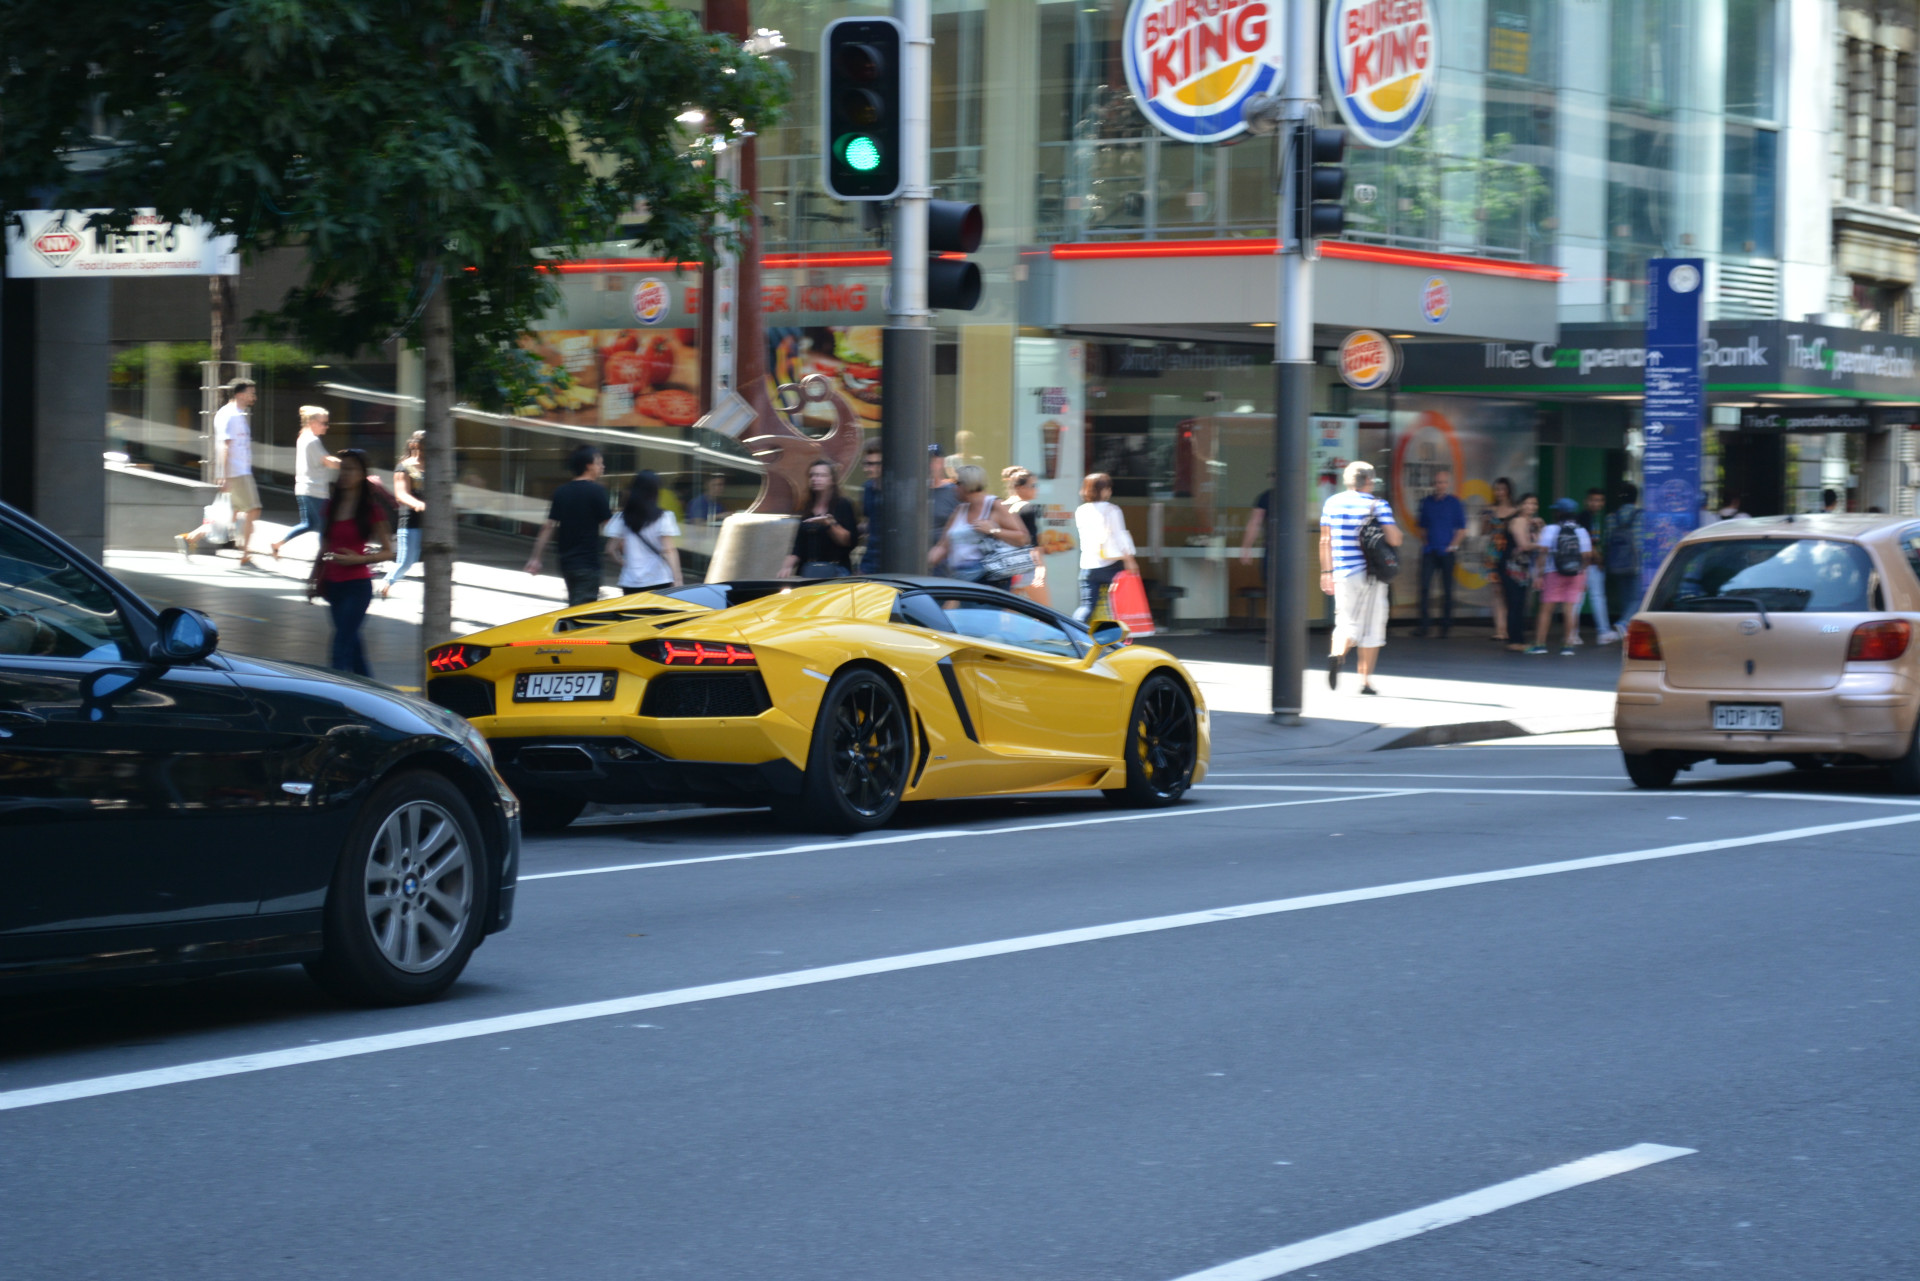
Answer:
x=223 y=299
x=438 y=532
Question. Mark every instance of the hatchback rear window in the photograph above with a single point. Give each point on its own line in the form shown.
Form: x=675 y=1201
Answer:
x=1782 y=575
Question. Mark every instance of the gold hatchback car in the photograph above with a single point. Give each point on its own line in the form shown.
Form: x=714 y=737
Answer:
x=1789 y=638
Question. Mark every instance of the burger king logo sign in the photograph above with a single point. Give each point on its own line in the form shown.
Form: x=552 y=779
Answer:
x=1191 y=63
x=1381 y=57
x=1366 y=360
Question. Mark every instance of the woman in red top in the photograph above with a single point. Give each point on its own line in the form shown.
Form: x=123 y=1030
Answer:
x=355 y=534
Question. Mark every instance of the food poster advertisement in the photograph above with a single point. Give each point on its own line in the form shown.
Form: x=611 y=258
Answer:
x=1476 y=440
x=847 y=356
x=1049 y=437
x=616 y=377
x=1331 y=445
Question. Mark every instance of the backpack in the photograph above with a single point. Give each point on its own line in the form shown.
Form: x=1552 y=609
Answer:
x=1382 y=561
x=1567 y=560
x=1623 y=547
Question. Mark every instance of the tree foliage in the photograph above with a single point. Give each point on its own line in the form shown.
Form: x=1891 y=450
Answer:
x=401 y=143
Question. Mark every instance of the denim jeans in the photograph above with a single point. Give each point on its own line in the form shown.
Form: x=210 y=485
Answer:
x=1093 y=584
x=1441 y=563
x=406 y=554
x=312 y=513
x=583 y=585
x=1597 y=598
x=349 y=601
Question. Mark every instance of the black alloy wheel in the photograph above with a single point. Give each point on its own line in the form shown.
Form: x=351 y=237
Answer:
x=862 y=748
x=1162 y=747
x=1903 y=772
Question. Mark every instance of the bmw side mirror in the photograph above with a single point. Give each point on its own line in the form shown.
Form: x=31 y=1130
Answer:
x=186 y=636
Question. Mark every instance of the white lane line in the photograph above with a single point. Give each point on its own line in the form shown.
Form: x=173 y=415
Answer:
x=1624 y=790
x=1367 y=773
x=1398 y=1227
x=122 y=1083
x=1838 y=800
x=954 y=833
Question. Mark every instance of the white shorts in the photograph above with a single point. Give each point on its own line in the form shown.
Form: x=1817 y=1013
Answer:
x=1360 y=609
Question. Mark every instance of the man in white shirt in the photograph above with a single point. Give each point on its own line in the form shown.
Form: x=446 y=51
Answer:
x=313 y=469
x=233 y=461
x=1360 y=602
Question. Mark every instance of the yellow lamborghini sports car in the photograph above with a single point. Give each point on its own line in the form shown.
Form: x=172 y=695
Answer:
x=830 y=700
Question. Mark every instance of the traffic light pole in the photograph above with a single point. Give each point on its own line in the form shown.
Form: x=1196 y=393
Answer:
x=1288 y=541
x=906 y=426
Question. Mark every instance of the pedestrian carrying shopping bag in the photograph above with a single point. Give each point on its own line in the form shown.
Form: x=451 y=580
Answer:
x=1127 y=599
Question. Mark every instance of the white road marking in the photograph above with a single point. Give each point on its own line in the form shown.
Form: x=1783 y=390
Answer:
x=1687 y=793
x=944 y=834
x=93 y=1087
x=1367 y=773
x=1398 y=1227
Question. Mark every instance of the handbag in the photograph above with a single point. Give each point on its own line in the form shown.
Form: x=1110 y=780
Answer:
x=1127 y=601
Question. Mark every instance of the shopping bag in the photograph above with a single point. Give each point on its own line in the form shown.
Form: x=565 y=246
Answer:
x=1127 y=599
x=219 y=519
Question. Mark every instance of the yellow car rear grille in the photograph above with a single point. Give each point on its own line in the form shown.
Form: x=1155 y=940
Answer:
x=705 y=694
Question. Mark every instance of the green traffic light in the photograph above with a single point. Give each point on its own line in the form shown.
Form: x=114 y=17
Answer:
x=858 y=151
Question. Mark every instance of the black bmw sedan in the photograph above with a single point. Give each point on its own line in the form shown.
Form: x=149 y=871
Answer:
x=166 y=809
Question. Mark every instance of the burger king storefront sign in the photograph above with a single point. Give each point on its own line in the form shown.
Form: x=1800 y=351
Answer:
x=1192 y=63
x=1383 y=64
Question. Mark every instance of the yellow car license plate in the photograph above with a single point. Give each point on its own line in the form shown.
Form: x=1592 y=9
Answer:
x=561 y=687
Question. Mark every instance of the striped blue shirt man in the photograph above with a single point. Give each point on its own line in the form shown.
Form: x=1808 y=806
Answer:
x=1344 y=513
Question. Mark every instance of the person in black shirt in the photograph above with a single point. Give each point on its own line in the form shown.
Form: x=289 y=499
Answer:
x=574 y=520
x=871 y=496
x=823 y=545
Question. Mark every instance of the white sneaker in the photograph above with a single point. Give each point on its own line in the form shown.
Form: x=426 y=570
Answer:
x=1606 y=638
x=1575 y=639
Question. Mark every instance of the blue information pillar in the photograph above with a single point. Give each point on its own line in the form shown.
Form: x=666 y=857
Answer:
x=1675 y=410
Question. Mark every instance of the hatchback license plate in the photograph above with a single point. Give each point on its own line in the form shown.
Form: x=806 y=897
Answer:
x=560 y=687
x=1750 y=716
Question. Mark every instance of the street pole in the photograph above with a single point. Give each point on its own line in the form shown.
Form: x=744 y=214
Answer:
x=1287 y=542
x=906 y=426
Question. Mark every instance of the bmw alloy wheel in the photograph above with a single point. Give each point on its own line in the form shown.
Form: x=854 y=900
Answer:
x=419 y=886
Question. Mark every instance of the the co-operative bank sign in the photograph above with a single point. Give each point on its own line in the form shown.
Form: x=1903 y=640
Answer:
x=1737 y=356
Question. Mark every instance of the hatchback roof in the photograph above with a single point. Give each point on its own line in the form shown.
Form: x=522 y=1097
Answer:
x=1856 y=525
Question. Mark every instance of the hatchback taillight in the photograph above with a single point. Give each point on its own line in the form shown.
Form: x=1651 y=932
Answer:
x=455 y=657
x=1643 y=643
x=1880 y=642
x=695 y=653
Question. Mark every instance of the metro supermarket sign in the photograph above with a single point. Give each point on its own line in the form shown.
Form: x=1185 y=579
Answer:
x=54 y=244
x=1192 y=63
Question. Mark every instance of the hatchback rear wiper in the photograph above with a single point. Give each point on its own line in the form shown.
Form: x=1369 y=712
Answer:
x=1759 y=606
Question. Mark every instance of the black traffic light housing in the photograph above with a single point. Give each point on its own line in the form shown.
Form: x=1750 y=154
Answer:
x=953 y=227
x=860 y=108
x=1320 y=183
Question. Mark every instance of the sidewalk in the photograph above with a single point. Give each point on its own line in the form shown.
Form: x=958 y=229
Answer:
x=1431 y=692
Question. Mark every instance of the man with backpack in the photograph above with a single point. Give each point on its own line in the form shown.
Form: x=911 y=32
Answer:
x=1569 y=550
x=1621 y=556
x=1357 y=559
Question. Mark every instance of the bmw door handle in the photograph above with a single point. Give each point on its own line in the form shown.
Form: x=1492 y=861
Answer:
x=11 y=721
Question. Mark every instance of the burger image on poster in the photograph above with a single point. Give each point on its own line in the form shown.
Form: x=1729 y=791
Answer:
x=1190 y=70
x=1384 y=66
x=858 y=347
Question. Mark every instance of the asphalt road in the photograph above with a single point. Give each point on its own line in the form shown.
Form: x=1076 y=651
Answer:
x=916 y=1074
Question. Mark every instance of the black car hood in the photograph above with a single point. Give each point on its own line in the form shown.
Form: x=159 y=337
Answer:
x=377 y=702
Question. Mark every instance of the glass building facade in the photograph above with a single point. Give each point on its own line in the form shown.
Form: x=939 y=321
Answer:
x=1568 y=144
